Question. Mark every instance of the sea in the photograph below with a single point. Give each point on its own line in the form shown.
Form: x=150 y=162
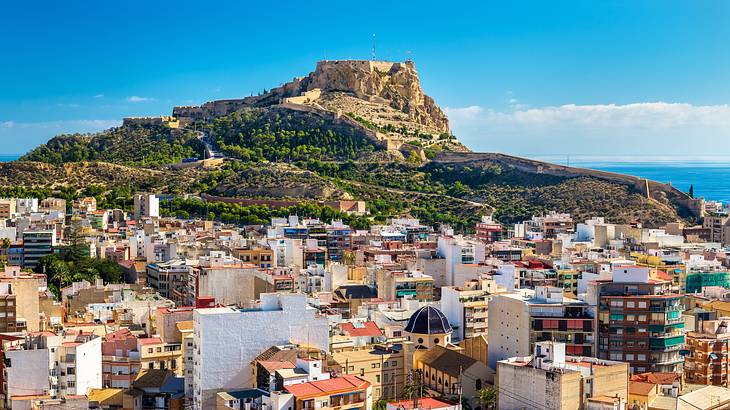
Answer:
x=710 y=176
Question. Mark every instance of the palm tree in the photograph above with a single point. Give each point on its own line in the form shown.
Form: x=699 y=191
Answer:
x=487 y=397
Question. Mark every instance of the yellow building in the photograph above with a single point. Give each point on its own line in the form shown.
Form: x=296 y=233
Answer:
x=394 y=285
x=722 y=308
x=261 y=257
x=382 y=366
x=677 y=271
x=568 y=280
x=156 y=354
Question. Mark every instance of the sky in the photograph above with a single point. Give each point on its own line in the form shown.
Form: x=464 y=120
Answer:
x=531 y=78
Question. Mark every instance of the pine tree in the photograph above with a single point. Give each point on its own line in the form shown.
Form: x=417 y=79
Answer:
x=691 y=191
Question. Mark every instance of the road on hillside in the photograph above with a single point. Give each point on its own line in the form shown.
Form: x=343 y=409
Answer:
x=210 y=151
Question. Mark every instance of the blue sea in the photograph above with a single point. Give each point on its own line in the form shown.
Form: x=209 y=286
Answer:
x=710 y=176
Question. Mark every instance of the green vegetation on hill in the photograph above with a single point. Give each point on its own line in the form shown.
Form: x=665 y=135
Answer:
x=285 y=136
x=255 y=214
x=143 y=146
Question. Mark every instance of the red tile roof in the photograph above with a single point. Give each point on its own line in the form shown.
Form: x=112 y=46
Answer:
x=657 y=377
x=273 y=365
x=327 y=387
x=368 y=329
x=641 y=388
x=423 y=403
x=150 y=341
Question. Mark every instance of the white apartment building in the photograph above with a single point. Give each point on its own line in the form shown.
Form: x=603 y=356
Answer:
x=146 y=206
x=51 y=364
x=226 y=340
x=457 y=251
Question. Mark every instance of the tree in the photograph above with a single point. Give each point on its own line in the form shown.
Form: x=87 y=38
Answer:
x=487 y=397
x=691 y=191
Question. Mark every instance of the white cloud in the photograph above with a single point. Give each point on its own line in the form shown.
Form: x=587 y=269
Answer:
x=656 y=127
x=68 y=105
x=136 y=98
x=99 y=96
x=8 y=124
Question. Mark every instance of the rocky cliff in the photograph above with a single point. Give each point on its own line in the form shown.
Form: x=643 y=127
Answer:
x=386 y=94
x=394 y=84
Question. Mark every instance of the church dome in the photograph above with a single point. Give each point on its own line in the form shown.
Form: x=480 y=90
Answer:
x=428 y=321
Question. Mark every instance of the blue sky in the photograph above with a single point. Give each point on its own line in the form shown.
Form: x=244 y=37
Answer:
x=524 y=77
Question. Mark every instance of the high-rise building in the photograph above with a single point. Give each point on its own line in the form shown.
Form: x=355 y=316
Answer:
x=639 y=320
x=518 y=320
x=36 y=245
x=146 y=206
x=707 y=361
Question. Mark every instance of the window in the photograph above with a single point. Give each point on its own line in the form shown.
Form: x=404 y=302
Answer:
x=150 y=350
x=420 y=340
x=630 y=304
x=642 y=305
x=159 y=350
x=436 y=340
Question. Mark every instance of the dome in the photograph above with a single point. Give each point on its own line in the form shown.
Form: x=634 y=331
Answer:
x=428 y=321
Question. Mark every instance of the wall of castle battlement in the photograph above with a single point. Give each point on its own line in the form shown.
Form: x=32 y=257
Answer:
x=364 y=65
x=167 y=120
x=686 y=205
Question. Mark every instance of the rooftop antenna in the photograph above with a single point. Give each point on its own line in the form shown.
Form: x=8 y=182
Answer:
x=373 y=56
x=408 y=56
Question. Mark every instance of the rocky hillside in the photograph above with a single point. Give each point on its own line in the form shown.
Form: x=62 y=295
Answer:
x=358 y=130
x=385 y=97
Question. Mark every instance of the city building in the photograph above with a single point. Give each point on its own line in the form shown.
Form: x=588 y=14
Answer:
x=550 y=379
x=146 y=206
x=518 y=320
x=227 y=340
x=489 y=231
x=428 y=327
x=36 y=245
x=450 y=373
x=708 y=348
x=467 y=311
x=394 y=285
x=349 y=392
x=166 y=277
x=639 y=320
x=380 y=365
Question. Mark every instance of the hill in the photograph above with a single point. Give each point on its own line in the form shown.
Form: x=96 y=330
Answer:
x=137 y=145
x=349 y=130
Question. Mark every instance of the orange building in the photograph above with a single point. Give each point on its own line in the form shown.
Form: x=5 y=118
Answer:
x=707 y=361
x=346 y=392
